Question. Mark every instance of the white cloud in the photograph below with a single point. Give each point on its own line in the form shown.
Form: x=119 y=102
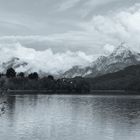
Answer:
x=46 y=60
x=117 y=27
x=67 y=4
x=108 y=48
x=113 y=28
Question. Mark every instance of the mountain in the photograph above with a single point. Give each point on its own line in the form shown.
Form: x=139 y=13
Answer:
x=127 y=79
x=120 y=58
x=20 y=66
x=15 y=63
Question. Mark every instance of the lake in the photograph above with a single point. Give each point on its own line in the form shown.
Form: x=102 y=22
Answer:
x=69 y=117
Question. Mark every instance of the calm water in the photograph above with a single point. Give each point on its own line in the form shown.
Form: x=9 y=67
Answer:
x=70 y=117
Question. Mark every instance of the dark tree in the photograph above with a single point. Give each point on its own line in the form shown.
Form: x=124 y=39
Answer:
x=33 y=75
x=21 y=74
x=11 y=73
x=50 y=77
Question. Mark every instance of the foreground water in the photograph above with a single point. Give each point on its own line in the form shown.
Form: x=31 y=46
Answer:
x=60 y=117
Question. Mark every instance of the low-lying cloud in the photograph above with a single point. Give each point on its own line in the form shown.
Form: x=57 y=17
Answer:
x=46 y=61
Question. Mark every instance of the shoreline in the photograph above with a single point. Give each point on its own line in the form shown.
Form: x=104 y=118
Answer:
x=66 y=92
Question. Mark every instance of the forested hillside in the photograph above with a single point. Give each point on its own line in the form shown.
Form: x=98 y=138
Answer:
x=127 y=79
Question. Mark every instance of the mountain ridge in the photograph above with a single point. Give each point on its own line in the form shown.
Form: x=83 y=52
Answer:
x=126 y=79
x=120 y=58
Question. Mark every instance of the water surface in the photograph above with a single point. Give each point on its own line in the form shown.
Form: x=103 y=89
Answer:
x=69 y=117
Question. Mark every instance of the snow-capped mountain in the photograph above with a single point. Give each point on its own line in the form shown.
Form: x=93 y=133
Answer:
x=15 y=63
x=120 y=58
x=20 y=66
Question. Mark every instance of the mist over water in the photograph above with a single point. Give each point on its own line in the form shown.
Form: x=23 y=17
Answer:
x=67 y=117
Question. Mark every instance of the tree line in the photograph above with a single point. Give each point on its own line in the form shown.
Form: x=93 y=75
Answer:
x=127 y=79
x=18 y=81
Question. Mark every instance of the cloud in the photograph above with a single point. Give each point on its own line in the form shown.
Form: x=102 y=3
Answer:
x=46 y=61
x=112 y=28
x=72 y=41
x=93 y=37
x=67 y=4
x=116 y=27
x=108 y=48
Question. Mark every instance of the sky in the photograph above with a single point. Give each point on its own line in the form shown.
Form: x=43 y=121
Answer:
x=90 y=27
x=68 y=24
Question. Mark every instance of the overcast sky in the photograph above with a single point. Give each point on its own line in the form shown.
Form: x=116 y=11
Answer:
x=76 y=25
x=44 y=17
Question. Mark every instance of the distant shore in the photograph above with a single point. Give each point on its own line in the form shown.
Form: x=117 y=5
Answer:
x=92 y=92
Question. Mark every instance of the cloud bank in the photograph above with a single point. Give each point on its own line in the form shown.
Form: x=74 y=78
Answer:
x=116 y=27
x=93 y=35
x=46 y=61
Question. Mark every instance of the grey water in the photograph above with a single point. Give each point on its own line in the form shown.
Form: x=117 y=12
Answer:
x=70 y=117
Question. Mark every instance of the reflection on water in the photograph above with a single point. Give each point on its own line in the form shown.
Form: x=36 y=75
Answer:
x=60 y=117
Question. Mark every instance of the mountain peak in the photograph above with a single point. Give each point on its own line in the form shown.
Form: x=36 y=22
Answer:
x=121 y=49
x=120 y=58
